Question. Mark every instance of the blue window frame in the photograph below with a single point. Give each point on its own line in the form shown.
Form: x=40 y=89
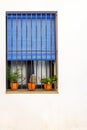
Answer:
x=31 y=41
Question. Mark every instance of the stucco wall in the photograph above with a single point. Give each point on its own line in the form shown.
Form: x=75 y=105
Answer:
x=68 y=109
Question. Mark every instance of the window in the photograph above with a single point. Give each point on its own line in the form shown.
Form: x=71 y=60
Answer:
x=31 y=48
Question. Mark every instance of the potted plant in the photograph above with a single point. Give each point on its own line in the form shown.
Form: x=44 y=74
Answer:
x=32 y=83
x=48 y=82
x=13 y=78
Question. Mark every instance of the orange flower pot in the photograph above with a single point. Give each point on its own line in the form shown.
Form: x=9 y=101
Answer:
x=14 y=86
x=47 y=86
x=31 y=86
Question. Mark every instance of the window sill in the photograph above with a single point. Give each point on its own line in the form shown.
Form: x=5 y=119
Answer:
x=36 y=91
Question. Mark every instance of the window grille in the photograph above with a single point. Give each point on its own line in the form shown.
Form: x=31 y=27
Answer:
x=31 y=45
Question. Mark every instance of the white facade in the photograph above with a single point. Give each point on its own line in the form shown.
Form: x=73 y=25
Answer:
x=68 y=109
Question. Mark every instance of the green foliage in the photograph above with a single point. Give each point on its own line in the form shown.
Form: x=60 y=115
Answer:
x=50 y=80
x=13 y=76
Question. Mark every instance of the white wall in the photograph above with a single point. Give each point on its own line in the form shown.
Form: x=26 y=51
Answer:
x=68 y=109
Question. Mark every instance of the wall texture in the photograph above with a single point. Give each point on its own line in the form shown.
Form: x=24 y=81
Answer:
x=68 y=109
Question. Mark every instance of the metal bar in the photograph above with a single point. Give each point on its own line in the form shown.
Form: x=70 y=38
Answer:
x=30 y=51
x=11 y=41
x=16 y=40
x=46 y=44
x=6 y=52
x=31 y=12
x=51 y=42
x=56 y=46
x=41 y=46
x=26 y=52
x=36 y=50
x=21 y=53
x=31 y=43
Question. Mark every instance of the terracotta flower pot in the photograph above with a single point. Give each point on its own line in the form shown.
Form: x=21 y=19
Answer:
x=31 y=86
x=47 y=86
x=14 y=86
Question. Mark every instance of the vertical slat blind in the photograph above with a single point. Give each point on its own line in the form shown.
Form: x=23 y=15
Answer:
x=33 y=32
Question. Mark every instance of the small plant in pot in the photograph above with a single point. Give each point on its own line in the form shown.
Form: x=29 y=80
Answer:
x=48 y=82
x=13 y=78
x=32 y=83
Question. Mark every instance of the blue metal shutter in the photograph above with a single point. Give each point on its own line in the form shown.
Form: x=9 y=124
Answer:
x=31 y=37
